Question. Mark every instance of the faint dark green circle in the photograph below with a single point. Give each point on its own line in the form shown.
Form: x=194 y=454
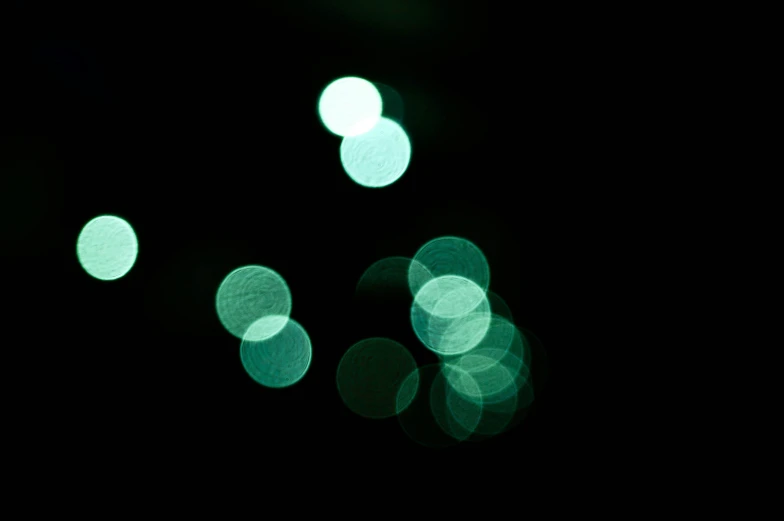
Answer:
x=499 y=306
x=391 y=275
x=393 y=106
x=370 y=376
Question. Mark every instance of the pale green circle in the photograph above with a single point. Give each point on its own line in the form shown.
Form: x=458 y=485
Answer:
x=350 y=106
x=379 y=157
x=107 y=247
x=450 y=255
x=281 y=360
x=248 y=294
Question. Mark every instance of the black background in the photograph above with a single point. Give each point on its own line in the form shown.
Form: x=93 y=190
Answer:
x=198 y=125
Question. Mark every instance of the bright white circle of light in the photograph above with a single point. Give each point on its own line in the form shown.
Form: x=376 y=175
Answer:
x=107 y=247
x=350 y=106
x=379 y=157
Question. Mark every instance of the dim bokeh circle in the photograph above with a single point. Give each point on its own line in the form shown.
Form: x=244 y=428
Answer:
x=248 y=294
x=281 y=360
x=489 y=380
x=350 y=106
x=379 y=157
x=370 y=376
x=455 y=415
x=391 y=274
x=393 y=106
x=499 y=306
x=107 y=247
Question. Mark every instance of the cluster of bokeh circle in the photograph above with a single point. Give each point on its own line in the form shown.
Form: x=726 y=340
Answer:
x=375 y=149
x=482 y=380
x=481 y=385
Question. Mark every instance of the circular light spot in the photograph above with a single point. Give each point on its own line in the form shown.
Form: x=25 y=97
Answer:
x=278 y=361
x=350 y=106
x=248 y=294
x=451 y=256
x=370 y=376
x=390 y=275
x=107 y=247
x=379 y=157
x=450 y=315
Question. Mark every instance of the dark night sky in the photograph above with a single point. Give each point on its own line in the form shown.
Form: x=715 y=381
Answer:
x=198 y=126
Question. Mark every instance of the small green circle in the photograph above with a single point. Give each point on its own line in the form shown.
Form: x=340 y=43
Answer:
x=281 y=360
x=450 y=255
x=248 y=294
x=378 y=157
x=107 y=247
